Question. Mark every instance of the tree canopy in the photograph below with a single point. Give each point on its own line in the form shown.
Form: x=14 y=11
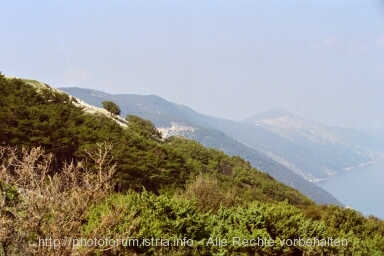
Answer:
x=143 y=126
x=112 y=107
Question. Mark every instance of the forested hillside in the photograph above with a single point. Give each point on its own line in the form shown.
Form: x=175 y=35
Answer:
x=67 y=175
x=206 y=130
x=32 y=118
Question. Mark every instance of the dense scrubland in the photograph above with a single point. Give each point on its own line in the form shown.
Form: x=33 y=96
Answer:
x=66 y=175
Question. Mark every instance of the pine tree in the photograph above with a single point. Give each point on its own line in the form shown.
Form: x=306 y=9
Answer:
x=112 y=107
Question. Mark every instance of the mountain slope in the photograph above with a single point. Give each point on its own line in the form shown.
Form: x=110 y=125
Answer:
x=43 y=117
x=315 y=150
x=175 y=119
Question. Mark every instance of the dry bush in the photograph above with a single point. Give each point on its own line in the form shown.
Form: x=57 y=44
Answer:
x=205 y=190
x=38 y=202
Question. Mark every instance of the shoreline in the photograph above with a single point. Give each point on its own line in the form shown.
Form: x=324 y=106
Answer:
x=368 y=178
x=346 y=169
x=358 y=166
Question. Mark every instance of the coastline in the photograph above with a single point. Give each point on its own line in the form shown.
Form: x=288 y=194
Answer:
x=358 y=166
x=368 y=179
x=347 y=169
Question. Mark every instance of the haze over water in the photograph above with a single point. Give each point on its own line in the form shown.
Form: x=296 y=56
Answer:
x=361 y=188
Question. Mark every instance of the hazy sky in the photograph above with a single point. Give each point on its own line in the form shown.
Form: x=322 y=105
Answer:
x=323 y=60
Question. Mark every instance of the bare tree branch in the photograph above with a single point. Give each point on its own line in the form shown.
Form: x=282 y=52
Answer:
x=53 y=203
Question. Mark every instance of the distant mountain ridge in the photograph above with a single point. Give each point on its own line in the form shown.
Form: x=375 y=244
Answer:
x=328 y=149
x=270 y=114
x=210 y=131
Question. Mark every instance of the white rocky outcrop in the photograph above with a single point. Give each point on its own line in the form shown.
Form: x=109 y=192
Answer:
x=87 y=108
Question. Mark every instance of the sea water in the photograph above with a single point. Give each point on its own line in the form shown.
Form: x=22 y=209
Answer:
x=361 y=188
